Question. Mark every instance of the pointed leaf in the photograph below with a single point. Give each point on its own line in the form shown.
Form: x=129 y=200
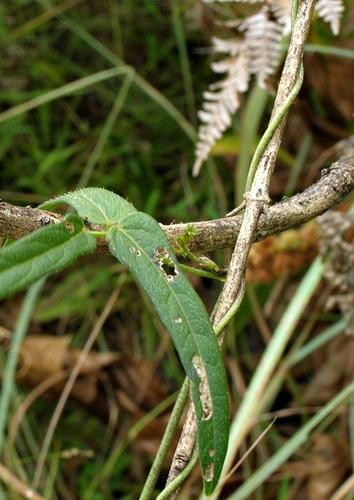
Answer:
x=43 y=252
x=139 y=243
x=97 y=205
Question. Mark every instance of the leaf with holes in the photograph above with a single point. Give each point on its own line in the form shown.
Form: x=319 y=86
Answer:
x=43 y=252
x=139 y=243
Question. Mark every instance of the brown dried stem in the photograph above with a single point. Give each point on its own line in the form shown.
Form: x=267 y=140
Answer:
x=16 y=222
x=16 y=485
x=257 y=199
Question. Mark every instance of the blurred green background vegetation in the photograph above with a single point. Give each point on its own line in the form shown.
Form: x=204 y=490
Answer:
x=134 y=133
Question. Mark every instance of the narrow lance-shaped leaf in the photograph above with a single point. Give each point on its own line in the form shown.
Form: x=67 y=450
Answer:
x=43 y=252
x=137 y=241
x=140 y=244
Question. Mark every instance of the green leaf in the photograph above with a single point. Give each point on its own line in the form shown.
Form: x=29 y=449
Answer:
x=139 y=243
x=137 y=240
x=45 y=251
x=97 y=205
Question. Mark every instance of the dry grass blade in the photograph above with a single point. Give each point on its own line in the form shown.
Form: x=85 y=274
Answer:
x=17 y=486
x=70 y=383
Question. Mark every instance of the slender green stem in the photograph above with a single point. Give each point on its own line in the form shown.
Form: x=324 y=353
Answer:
x=106 y=130
x=280 y=115
x=108 y=466
x=139 y=81
x=272 y=127
x=16 y=342
x=178 y=29
x=201 y=272
x=179 y=480
x=166 y=442
x=230 y=313
x=251 y=118
x=330 y=51
x=98 y=234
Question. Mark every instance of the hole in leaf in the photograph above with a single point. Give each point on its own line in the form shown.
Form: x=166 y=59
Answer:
x=209 y=473
x=178 y=319
x=168 y=269
x=204 y=391
x=70 y=227
x=211 y=453
x=165 y=263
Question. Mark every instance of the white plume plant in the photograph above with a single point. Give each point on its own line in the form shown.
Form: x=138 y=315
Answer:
x=281 y=9
x=222 y=99
x=331 y=11
x=256 y=51
x=262 y=37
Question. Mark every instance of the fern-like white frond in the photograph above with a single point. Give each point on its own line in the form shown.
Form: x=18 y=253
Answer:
x=222 y=99
x=263 y=37
x=232 y=47
x=331 y=11
x=258 y=54
x=281 y=10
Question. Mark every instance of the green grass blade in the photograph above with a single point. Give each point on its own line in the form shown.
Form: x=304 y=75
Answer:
x=253 y=399
x=271 y=465
x=178 y=28
x=106 y=131
x=251 y=119
x=328 y=334
x=8 y=377
x=139 y=81
x=66 y=89
x=329 y=50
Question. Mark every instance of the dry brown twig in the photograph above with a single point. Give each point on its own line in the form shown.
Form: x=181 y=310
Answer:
x=70 y=383
x=256 y=202
x=338 y=181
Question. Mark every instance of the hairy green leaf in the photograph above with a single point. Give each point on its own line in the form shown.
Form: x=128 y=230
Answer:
x=139 y=243
x=97 y=205
x=45 y=251
x=137 y=240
